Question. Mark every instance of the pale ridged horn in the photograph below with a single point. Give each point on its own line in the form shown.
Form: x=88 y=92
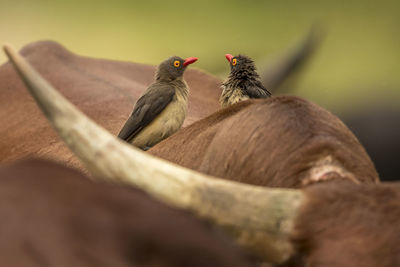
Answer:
x=257 y=217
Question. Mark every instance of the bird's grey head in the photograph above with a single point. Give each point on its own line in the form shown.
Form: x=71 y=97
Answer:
x=173 y=68
x=241 y=67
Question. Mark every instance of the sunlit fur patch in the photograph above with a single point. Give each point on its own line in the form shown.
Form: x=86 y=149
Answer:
x=326 y=169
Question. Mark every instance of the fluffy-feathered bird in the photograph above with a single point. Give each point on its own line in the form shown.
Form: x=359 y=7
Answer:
x=161 y=110
x=242 y=83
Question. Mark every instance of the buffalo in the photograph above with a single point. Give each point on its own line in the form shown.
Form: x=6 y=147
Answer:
x=55 y=216
x=343 y=217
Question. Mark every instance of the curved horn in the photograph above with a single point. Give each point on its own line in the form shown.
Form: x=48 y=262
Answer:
x=257 y=217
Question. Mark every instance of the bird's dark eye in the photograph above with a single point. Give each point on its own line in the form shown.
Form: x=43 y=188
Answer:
x=234 y=61
x=177 y=63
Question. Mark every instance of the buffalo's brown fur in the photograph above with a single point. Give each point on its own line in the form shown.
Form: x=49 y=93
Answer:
x=105 y=90
x=54 y=216
x=270 y=142
x=349 y=225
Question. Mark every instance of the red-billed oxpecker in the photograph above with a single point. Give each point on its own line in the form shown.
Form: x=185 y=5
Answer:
x=242 y=83
x=161 y=110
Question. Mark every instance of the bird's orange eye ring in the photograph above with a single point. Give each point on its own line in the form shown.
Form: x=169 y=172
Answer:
x=234 y=61
x=177 y=63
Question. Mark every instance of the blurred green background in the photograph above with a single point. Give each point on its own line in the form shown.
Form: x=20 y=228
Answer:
x=358 y=61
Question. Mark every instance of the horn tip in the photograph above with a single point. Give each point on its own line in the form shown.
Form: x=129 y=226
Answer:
x=8 y=49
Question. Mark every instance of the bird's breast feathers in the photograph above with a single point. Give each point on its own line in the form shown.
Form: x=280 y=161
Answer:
x=164 y=125
x=232 y=95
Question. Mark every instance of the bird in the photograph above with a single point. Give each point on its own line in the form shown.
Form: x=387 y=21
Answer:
x=161 y=110
x=242 y=83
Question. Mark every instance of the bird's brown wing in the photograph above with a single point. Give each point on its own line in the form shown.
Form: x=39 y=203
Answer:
x=256 y=90
x=146 y=109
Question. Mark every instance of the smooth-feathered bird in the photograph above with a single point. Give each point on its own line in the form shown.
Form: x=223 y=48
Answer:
x=161 y=110
x=242 y=83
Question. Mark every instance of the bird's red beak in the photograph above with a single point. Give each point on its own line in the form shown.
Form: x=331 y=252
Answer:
x=229 y=57
x=189 y=61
